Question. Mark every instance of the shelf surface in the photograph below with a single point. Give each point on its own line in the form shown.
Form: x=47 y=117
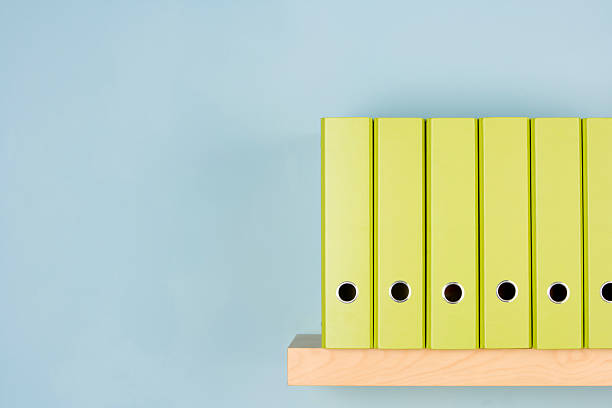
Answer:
x=309 y=364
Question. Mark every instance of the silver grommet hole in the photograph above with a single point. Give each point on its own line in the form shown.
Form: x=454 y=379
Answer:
x=347 y=292
x=606 y=292
x=506 y=291
x=558 y=292
x=399 y=291
x=452 y=292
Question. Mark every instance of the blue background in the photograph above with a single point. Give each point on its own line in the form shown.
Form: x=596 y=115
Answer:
x=160 y=179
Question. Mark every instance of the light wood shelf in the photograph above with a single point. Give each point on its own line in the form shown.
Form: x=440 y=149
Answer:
x=309 y=364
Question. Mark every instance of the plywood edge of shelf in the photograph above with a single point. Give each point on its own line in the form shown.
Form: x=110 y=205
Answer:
x=309 y=364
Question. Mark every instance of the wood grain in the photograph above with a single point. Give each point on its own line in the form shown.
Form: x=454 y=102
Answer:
x=309 y=364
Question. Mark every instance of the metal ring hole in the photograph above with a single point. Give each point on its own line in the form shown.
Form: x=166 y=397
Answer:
x=558 y=292
x=606 y=292
x=452 y=292
x=506 y=291
x=399 y=291
x=347 y=292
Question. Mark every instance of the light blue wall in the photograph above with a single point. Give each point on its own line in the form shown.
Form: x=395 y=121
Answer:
x=159 y=179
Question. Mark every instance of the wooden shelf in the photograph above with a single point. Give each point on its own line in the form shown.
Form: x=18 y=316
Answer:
x=309 y=364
